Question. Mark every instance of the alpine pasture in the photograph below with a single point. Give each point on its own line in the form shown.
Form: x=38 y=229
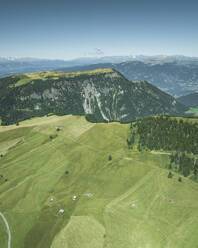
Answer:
x=41 y=163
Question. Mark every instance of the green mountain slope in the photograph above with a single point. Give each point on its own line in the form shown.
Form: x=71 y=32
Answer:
x=105 y=93
x=190 y=100
x=45 y=164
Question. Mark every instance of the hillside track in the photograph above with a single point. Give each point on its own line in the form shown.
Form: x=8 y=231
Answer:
x=8 y=229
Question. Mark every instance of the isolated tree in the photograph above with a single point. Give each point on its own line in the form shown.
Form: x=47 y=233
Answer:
x=110 y=157
x=180 y=179
x=170 y=175
x=131 y=126
x=129 y=144
x=66 y=172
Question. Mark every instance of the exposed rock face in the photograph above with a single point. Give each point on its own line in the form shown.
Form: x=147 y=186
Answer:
x=106 y=94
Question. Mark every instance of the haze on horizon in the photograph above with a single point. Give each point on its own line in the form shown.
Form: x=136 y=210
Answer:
x=70 y=29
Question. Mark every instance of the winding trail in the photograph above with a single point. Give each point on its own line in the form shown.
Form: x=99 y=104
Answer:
x=8 y=229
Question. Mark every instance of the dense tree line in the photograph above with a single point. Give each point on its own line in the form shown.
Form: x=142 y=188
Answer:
x=184 y=164
x=170 y=134
x=165 y=133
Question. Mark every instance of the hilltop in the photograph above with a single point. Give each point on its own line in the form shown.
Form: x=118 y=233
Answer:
x=104 y=93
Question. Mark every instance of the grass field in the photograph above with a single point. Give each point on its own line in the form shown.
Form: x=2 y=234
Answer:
x=3 y=234
x=165 y=213
x=29 y=77
x=193 y=111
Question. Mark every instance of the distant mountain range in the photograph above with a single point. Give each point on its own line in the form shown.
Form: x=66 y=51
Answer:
x=104 y=94
x=100 y=59
x=176 y=75
x=190 y=100
x=13 y=65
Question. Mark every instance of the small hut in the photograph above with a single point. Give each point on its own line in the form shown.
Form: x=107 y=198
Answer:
x=58 y=128
x=74 y=197
x=61 y=211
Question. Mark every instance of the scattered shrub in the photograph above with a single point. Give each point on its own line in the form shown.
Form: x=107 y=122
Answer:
x=51 y=137
x=180 y=179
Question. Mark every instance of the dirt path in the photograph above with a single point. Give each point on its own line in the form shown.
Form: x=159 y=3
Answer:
x=8 y=229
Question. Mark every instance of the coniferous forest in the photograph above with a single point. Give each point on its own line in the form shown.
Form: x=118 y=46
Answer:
x=166 y=133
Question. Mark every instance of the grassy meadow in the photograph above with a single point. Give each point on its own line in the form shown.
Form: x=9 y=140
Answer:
x=30 y=77
x=193 y=111
x=40 y=163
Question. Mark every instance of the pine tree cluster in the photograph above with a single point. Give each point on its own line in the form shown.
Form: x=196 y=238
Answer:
x=170 y=134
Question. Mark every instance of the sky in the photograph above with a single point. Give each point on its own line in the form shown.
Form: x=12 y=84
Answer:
x=67 y=29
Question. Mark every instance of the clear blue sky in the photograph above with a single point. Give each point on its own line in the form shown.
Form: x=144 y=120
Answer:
x=68 y=29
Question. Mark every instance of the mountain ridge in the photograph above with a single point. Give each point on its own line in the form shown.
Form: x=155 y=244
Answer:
x=104 y=93
x=175 y=77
